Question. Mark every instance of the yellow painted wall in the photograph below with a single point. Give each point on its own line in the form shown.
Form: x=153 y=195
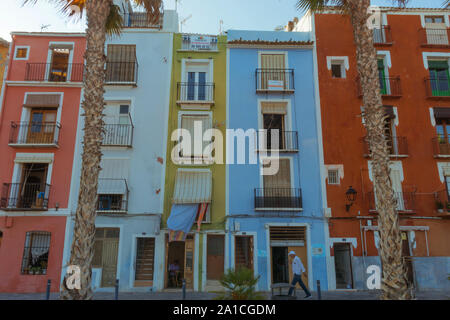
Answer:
x=3 y=60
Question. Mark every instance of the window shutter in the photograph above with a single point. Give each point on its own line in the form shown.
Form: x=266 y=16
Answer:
x=434 y=64
x=42 y=100
x=274 y=107
x=282 y=179
x=272 y=61
x=441 y=113
x=188 y=122
x=121 y=53
x=381 y=64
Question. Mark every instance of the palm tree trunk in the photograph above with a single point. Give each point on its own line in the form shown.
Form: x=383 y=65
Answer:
x=394 y=284
x=82 y=250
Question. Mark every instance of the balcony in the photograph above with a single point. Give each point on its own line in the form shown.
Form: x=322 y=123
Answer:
x=442 y=202
x=278 y=199
x=141 y=20
x=34 y=134
x=437 y=88
x=194 y=93
x=198 y=43
x=288 y=141
x=25 y=196
x=382 y=36
x=121 y=73
x=441 y=147
x=405 y=202
x=112 y=196
x=275 y=80
x=390 y=87
x=398 y=147
x=71 y=72
x=434 y=38
x=118 y=135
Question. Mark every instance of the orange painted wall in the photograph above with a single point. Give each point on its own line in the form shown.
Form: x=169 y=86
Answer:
x=342 y=130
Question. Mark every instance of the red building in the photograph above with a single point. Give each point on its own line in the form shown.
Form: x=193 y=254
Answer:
x=38 y=124
x=413 y=60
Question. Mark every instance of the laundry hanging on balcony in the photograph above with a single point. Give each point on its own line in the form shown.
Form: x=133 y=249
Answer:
x=192 y=194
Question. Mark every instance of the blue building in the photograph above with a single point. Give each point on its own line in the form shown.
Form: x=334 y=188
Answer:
x=272 y=85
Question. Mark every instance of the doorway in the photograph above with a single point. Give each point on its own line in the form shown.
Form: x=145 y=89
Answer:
x=145 y=255
x=175 y=266
x=106 y=249
x=407 y=260
x=343 y=265
x=59 y=64
x=280 y=265
x=215 y=257
x=31 y=192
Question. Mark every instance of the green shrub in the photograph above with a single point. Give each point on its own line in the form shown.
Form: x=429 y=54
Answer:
x=239 y=285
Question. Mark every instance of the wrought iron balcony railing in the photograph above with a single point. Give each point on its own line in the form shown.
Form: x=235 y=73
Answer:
x=141 y=20
x=405 y=201
x=278 y=199
x=437 y=87
x=275 y=80
x=122 y=73
x=25 y=196
x=287 y=141
x=382 y=35
x=442 y=202
x=441 y=146
x=112 y=195
x=72 y=72
x=118 y=135
x=434 y=37
x=389 y=87
x=34 y=133
x=398 y=147
x=195 y=92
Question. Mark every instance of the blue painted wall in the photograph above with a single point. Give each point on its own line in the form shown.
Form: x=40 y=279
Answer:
x=243 y=178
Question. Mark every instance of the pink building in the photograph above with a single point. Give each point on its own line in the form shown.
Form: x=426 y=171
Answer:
x=39 y=110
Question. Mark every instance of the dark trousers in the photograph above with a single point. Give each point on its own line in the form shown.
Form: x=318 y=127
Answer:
x=298 y=278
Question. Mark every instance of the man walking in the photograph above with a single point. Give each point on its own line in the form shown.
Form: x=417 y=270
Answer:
x=297 y=270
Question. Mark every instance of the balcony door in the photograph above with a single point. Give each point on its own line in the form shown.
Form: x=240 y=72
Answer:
x=121 y=64
x=197 y=78
x=277 y=187
x=273 y=70
x=273 y=123
x=436 y=30
x=59 y=65
x=42 y=126
x=382 y=76
x=443 y=134
x=117 y=125
x=439 y=78
x=106 y=250
x=31 y=192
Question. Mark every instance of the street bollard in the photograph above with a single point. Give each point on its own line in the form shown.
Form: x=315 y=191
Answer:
x=184 y=289
x=116 y=293
x=47 y=294
x=319 y=294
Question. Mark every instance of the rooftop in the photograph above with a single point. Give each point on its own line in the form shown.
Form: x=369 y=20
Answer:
x=268 y=37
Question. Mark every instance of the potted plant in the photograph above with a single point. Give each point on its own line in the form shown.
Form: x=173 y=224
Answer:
x=447 y=206
x=439 y=206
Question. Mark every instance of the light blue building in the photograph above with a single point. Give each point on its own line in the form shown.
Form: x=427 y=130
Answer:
x=271 y=85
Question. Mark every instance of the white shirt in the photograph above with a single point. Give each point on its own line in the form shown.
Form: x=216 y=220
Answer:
x=297 y=266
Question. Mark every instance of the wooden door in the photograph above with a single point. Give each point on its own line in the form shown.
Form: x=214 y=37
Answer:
x=42 y=126
x=189 y=262
x=109 y=262
x=144 y=266
x=215 y=257
x=243 y=253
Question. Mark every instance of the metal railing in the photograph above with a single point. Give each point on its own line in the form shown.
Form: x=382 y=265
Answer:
x=398 y=146
x=27 y=196
x=442 y=202
x=437 y=87
x=118 y=135
x=275 y=80
x=389 y=86
x=112 y=195
x=441 y=146
x=278 y=198
x=287 y=140
x=122 y=72
x=72 y=72
x=34 y=133
x=433 y=37
x=405 y=201
x=141 y=20
x=190 y=43
x=194 y=91
x=382 y=35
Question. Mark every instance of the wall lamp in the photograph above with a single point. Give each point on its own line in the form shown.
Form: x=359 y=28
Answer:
x=351 y=197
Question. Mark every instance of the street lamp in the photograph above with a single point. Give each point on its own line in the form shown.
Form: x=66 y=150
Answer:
x=351 y=197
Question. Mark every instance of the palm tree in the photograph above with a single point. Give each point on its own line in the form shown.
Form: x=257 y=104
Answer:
x=103 y=17
x=394 y=283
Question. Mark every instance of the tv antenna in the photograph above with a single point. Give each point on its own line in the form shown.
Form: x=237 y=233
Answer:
x=184 y=22
x=44 y=26
x=221 y=27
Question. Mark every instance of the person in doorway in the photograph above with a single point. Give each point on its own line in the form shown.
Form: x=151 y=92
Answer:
x=297 y=270
x=174 y=269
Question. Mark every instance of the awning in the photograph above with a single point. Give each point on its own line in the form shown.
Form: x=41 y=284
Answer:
x=440 y=113
x=181 y=219
x=34 y=158
x=42 y=100
x=112 y=186
x=273 y=107
x=192 y=186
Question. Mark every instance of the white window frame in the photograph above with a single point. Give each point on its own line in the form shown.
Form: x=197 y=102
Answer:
x=49 y=57
x=342 y=61
x=21 y=47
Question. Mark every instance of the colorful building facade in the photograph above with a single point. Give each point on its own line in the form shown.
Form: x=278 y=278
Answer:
x=413 y=60
x=272 y=87
x=195 y=180
x=38 y=121
x=4 y=54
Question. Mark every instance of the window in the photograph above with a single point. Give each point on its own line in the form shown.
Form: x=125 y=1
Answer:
x=35 y=254
x=197 y=145
x=21 y=53
x=112 y=185
x=32 y=191
x=337 y=69
x=273 y=117
x=1 y=237
x=333 y=176
x=434 y=19
x=382 y=76
x=197 y=85
x=447 y=187
x=121 y=64
x=243 y=252
x=279 y=184
x=42 y=126
x=439 y=77
x=273 y=74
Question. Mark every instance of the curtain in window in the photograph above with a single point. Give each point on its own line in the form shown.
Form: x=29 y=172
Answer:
x=121 y=63
x=279 y=184
x=273 y=68
x=188 y=122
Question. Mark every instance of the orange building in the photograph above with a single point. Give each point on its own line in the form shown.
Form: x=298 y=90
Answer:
x=413 y=60
x=38 y=125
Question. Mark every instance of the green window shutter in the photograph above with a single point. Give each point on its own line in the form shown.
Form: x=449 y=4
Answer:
x=437 y=64
x=380 y=64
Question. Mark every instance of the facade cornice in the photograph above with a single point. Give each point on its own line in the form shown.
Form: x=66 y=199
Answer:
x=43 y=84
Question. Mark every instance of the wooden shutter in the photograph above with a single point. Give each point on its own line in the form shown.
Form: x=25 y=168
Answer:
x=120 y=63
x=282 y=179
x=244 y=252
x=272 y=61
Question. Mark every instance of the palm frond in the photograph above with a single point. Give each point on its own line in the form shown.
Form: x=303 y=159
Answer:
x=153 y=8
x=114 y=22
x=73 y=9
x=319 y=5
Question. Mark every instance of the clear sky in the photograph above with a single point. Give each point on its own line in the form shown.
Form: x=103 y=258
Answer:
x=206 y=15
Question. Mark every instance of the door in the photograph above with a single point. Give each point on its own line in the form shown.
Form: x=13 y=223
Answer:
x=106 y=251
x=277 y=187
x=42 y=126
x=382 y=76
x=59 y=65
x=443 y=135
x=145 y=255
x=243 y=253
x=407 y=259
x=197 y=86
x=397 y=187
x=31 y=192
x=215 y=257
x=343 y=265
x=439 y=78
x=436 y=30
x=280 y=265
x=274 y=122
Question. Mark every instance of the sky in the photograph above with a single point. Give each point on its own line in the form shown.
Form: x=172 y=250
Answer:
x=206 y=15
